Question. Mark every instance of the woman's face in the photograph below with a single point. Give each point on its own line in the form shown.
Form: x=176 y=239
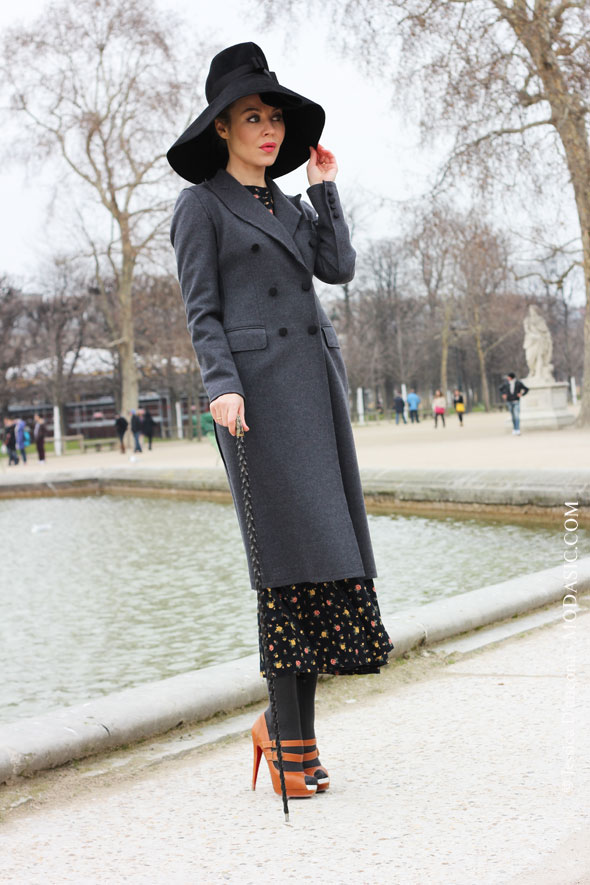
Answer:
x=255 y=133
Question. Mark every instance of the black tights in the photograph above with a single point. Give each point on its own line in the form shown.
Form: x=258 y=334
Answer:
x=295 y=696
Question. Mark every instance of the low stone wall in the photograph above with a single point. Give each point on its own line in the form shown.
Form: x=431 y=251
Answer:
x=495 y=492
x=50 y=740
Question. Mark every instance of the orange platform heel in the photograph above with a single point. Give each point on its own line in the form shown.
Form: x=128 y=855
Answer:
x=299 y=784
x=312 y=765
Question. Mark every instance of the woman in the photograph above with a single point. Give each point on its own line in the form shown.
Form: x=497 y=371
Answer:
x=246 y=255
x=39 y=433
x=439 y=405
x=459 y=404
x=147 y=426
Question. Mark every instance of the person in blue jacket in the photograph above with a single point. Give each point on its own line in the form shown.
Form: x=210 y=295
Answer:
x=413 y=402
x=21 y=439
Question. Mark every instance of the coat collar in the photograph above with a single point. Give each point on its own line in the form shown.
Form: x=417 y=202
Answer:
x=281 y=225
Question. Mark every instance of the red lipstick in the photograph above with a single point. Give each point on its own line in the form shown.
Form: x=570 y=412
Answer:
x=268 y=146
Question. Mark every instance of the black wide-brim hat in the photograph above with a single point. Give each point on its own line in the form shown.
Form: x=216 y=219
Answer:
x=235 y=72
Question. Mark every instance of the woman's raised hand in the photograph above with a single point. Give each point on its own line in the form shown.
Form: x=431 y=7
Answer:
x=322 y=165
x=225 y=408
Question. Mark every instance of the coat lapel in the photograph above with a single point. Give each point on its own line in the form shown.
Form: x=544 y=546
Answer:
x=281 y=226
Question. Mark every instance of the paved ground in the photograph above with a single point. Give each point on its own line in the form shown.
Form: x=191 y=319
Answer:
x=473 y=772
x=484 y=442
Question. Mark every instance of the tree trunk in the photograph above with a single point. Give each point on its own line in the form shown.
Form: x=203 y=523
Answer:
x=388 y=392
x=485 y=393
x=577 y=151
x=126 y=341
x=444 y=357
x=354 y=415
x=569 y=119
x=172 y=400
x=347 y=308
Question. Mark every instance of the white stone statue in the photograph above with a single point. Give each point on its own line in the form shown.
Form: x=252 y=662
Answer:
x=538 y=348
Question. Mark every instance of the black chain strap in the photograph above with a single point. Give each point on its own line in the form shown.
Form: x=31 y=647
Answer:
x=262 y=623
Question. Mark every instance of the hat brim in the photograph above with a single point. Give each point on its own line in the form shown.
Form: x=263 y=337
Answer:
x=196 y=156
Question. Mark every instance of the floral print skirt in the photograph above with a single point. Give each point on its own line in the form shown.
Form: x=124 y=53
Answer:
x=325 y=627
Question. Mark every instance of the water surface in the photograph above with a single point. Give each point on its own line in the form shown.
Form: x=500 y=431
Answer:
x=104 y=592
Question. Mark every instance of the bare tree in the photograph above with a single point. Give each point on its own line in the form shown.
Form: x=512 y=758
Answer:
x=431 y=243
x=506 y=79
x=14 y=339
x=384 y=268
x=103 y=85
x=59 y=321
x=165 y=352
x=482 y=275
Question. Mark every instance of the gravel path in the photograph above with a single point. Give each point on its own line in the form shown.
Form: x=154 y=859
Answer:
x=457 y=778
x=485 y=442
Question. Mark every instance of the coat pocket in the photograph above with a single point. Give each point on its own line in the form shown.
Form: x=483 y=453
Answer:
x=330 y=336
x=253 y=338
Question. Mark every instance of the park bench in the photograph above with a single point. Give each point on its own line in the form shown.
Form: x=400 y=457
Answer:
x=97 y=444
x=75 y=437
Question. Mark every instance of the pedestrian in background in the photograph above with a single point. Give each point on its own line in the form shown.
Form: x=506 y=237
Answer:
x=136 y=430
x=413 y=402
x=21 y=439
x=10 y=440
x=399 y=406
x=439 y=405
x=121 y=425
x=512 y=390
x=147 y=426
x=459 y=404
x=39 y=433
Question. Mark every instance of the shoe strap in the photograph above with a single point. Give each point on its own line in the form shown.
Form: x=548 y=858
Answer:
x=273 y=744
x=310 y=742
x=287 y=757
x=314 y=754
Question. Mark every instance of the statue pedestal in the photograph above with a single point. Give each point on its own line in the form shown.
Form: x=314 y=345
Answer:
x=545 y=406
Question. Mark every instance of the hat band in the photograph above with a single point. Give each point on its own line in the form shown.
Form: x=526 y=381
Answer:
x=255 y=66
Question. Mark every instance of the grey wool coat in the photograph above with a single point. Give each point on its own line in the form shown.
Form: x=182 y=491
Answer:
x=259 y=329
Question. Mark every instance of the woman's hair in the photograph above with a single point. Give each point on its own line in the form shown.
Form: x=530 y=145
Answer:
x=220 y=144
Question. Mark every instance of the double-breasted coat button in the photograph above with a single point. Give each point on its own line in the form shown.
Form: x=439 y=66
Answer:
x=335 y=215
x=255 y=247
x=306 y=286
x=312 y=329
x=273 y=290
x=282 y=331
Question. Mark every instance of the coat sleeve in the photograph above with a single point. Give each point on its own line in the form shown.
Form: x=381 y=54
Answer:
x=335 y=257
x=192 y=234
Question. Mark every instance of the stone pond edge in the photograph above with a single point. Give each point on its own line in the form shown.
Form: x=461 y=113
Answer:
x=492 y=490
x=134 y=714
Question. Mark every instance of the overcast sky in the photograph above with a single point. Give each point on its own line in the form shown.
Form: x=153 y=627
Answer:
x=377 y=151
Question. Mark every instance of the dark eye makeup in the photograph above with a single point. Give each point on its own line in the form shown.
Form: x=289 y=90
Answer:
x=255 y=118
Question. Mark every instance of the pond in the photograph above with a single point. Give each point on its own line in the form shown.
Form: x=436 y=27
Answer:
x=105 y=592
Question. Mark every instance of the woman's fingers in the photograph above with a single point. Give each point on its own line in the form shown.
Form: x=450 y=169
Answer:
x=233 y=411
x=243 y=416
x=225 y=410
x=322 y=165
x=325 y=155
